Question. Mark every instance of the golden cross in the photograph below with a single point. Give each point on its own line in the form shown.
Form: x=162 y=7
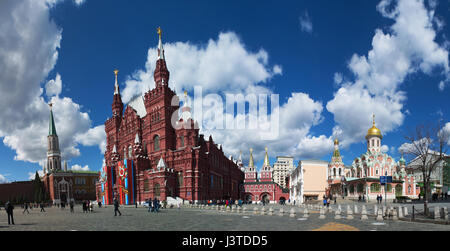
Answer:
x=159 y=31
x=116 y=71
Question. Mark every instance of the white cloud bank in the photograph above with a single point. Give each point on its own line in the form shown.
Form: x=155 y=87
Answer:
x=406 y=48
x=28 y=53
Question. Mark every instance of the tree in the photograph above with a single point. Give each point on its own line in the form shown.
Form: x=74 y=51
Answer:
x=427 y=148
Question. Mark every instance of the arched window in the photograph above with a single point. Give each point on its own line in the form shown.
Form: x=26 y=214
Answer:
x=146 y=185
x=340 y=172
x=375 y=188
x=130 y=151
x=156 y=190
x=180 y=179
x=334 y=172
x=156 y=142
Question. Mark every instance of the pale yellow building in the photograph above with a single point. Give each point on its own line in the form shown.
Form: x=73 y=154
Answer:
x=314 y=176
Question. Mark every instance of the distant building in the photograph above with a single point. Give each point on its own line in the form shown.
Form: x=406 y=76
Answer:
x=258 y=188
x=15 y=192
x=281 y=170
x=439 y=178
x=62 y=185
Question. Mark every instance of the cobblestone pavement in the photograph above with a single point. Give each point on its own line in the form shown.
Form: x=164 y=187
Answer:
x=195 y=219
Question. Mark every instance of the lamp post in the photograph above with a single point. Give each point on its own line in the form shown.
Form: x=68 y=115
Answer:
x=385 y=190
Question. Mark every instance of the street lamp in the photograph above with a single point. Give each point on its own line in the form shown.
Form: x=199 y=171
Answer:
x=343 y=185
x=385 y=190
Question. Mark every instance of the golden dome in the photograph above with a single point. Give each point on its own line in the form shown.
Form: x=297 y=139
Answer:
x=374 y=131
x=336 y=141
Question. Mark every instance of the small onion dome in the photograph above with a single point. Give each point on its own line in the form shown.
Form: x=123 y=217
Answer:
x=402 y=161
x=336 y=142
x=374 y=131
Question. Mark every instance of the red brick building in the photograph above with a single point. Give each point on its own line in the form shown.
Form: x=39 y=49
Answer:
x=62 y=185
x=264 y=188
x=22 y=191
x=152 y=153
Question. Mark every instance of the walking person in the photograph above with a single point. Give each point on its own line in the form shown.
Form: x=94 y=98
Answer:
x=116 y=207
x=71 y=206
x=26 y=209
x=9 y=210
x=42 y=207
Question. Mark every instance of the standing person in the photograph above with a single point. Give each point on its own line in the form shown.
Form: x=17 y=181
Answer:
x=155 y=205
x=71 y=206
x=328 y=202
x=116 y=207
x=324 y=201
x=150 y=205
x=84 y=206
x=42 y=207
x=381 y=198
x=26 y=209
x=9 y=210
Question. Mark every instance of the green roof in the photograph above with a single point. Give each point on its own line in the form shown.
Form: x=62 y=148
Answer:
x=52 y=128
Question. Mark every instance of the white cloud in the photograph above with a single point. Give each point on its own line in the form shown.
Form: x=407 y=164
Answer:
x=94 y=136
x=221 y=63
x=54 y=86
x=297 y=116
x=384 y=148
x=3 y=179
x=338 y=78
x=28 y=52
x=379 y=75
x=305 y=22
x=80 y=168
x=79 y=2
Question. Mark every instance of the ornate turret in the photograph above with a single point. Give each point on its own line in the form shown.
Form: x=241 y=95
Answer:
x=374 y=131
x=373 y=138
x=117 y=105
x=336 y=154
x=53 y=153
x=161 y=74
x=251 y=163
x=250 y=172
x=266 y=171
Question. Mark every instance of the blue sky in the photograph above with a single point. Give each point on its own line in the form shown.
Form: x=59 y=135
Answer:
x=312 y=42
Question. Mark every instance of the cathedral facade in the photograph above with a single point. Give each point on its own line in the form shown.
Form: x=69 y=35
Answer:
x=152 y=152
x=363 y=177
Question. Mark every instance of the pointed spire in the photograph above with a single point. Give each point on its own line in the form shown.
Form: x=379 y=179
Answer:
x=114 y=149
x=136 y=139
x=240 y=157
x=266 y=158
x=116 y=84
x=52 y=127
x=251 y=163
x=161 y=164
x=160 y=45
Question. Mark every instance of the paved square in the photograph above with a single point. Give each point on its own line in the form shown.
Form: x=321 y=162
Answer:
x=195 y=219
